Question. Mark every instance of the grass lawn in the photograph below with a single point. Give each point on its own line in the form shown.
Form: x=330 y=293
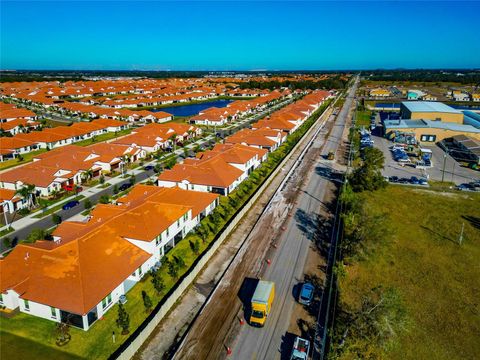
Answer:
x=26 y=158
x=437 y=278
x=363 y=118
x=54 y=123
x=103 y=137
x=180 y=119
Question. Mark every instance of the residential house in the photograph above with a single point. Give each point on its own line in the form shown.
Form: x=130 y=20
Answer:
x=83 y=272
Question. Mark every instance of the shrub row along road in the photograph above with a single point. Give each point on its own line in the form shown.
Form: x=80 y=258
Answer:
x=283 y=234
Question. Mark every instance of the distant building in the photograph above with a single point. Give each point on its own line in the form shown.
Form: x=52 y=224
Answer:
x=460 y=96
x=415 y=94
x=379 y=93
x=428 y=97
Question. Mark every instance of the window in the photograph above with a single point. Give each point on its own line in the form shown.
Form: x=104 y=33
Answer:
x=185 y=217
x=53 y=311
x=107 y=301
x=140 y=272
x=178 y=223
x=1 y=298
x=27 y=305
x=428 y=138
x=168 y=232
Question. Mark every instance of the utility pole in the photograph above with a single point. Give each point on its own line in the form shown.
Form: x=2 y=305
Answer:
x=444 y=163
x=460 y=238
x=453 y=170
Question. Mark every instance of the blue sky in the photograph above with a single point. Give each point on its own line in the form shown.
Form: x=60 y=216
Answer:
x=238 y=35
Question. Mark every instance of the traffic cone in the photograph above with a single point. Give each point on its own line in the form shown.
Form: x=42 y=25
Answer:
x=242 y=322
x=229 y=350
x=269 y=261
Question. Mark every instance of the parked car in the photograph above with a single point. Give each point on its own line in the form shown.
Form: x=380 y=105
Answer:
x=475 y=184
x=404 y=181
x=330 y=155
x=466 y=187
x=70 y=205
x=148 y=168
x=68 y=187
x=414 y=180
x=301 y=348
x=125 y=186
x=396 y=147
x=423 y=181
x=306 y=294
x=393 y=179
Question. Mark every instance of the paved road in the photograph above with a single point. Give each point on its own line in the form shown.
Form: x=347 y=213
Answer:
x=25 y=226
x=287 y=266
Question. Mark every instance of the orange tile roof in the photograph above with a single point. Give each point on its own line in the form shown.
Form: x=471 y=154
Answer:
x=71 y=276
x=93 y=258
x=213 y=172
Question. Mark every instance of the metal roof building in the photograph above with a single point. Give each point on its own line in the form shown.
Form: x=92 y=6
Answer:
x=429 y=106
x=430 y=110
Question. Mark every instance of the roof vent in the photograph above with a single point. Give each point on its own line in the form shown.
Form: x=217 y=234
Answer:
x=27 y=255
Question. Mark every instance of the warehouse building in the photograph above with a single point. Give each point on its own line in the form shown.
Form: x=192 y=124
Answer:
x=430 y=110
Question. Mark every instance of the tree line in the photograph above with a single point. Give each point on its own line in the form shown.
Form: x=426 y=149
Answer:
x=458 y=76
x=332 y=83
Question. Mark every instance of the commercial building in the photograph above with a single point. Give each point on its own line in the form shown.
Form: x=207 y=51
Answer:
x=430 y=110
x=428 y=130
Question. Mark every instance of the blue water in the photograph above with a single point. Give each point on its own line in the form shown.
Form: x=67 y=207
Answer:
x=193 y=109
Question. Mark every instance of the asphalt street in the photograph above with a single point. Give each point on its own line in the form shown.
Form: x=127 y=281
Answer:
x=286 y=269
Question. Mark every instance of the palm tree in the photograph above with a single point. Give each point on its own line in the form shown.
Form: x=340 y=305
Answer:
x=27 y=192
x=87 y=174
x=173 y=138
x=125 y=159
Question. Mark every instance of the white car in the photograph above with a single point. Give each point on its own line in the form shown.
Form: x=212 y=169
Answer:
x=301 y=348
x=397 y=147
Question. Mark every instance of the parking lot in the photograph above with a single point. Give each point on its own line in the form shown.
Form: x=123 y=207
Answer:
x=453 y=171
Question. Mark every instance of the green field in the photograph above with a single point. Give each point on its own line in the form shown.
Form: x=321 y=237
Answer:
x=363 y=118
x=436 y=278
